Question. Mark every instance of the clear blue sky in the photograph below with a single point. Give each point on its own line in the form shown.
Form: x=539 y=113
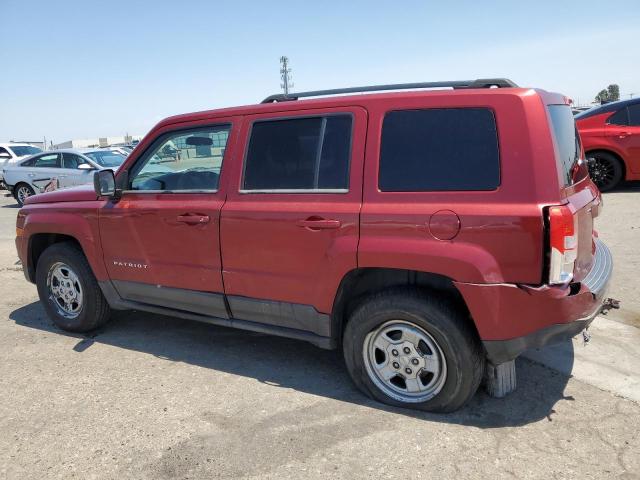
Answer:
x=76 y=69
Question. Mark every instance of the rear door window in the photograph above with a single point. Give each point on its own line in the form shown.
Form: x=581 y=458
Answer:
x=48 y=161
x=634 y=115
x=439 y=149
x=310 y=153
x=621 y=117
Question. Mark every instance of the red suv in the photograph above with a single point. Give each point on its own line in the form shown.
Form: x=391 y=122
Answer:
x=611 y=139
x=432 y=235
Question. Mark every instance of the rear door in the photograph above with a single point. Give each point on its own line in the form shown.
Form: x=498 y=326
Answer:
x=290 y=226
x=624 y=127
x=161 y=239
x=45 y=169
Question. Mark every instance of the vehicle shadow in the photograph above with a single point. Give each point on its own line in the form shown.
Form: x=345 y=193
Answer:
x=626 y=187
x=319 y=372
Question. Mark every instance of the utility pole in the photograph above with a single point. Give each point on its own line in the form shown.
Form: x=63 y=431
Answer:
x=631 y=95
x=285 y=74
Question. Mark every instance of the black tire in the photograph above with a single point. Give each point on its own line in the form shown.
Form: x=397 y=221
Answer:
x=16 y=191
x=605 y=170
x=445 y=323
x=94 y=310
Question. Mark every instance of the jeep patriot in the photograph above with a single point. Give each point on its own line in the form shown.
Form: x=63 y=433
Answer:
x=432 y=233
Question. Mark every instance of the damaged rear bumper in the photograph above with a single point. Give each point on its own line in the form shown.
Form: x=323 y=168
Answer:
x=514 y=318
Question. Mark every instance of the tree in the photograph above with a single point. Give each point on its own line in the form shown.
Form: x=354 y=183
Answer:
x=611 y=94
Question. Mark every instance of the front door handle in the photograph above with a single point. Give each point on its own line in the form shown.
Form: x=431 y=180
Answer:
x=319 y=223
x=194 y=219
x=624 y=134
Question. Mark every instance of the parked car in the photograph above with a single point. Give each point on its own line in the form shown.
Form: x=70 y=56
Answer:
x=122 y=150
x=611 y=138
x=10 y=153
x=66 y=167
x=433 y=236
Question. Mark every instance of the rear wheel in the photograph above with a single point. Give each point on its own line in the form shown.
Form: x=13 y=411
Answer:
x=68 y=289
x=605 y=170
x=408 y=349
x=21 y=192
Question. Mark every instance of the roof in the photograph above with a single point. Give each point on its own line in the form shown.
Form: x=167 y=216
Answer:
x=16 y=144
x=78 y=150
x=607 y=107
x=362 y=99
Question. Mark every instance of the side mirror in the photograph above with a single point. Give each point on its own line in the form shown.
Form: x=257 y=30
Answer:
x=85 y=166
x=104 y=183
x=5 y=155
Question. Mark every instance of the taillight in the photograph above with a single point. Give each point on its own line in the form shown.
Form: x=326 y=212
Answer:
x=563 y=241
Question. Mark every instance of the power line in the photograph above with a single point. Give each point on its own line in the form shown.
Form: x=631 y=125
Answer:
x=285 y=75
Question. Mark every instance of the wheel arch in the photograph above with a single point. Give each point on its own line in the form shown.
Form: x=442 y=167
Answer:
x=360 y=283
x=44 y=228
x=38 y=243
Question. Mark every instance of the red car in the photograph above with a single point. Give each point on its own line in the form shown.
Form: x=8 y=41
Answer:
x=611 y=139
x=432 y=235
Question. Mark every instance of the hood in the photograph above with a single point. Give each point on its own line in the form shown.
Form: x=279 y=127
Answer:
x=73 y=194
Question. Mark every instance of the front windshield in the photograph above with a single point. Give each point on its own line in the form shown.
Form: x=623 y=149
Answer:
x=106 y=158
x=23 y=150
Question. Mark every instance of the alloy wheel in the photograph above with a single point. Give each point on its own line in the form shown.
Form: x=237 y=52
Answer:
x=405 y=361
x=23 y=193
x=65 y=290
x=602 y=172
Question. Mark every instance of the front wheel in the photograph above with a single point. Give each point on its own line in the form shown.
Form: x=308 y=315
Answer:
x=409 y=349
x=68 y=289
x=22 y=192
x=605 y=170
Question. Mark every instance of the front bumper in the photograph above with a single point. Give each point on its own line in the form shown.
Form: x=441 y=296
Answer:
x=514 y=318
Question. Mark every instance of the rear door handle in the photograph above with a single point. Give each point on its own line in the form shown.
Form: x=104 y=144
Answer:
x=190 y=219
x=319 y=223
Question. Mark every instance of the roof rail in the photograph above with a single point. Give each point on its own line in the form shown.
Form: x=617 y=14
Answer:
x=456 y=84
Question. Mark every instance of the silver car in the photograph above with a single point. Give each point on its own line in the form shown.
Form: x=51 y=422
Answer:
x=57 y=169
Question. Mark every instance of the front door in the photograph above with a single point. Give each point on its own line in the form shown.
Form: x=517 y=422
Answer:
x=70 y=174
x=161 y=239
x=289 y=228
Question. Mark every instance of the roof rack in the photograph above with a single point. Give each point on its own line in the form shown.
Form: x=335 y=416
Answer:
x=456 y=84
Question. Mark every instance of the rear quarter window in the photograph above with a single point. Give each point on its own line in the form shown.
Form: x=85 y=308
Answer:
x=440 y=149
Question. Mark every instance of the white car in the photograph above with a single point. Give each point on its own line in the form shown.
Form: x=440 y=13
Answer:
x=13 y=152
x=57 y=169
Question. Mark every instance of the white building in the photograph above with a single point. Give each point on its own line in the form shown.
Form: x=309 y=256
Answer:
x=98 y=142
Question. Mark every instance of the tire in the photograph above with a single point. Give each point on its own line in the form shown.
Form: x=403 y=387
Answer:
x=21 y=192
x=441 y=328
x=605 y=170
x=88 y=309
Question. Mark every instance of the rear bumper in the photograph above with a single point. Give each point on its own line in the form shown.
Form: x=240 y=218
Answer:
x=514 y=318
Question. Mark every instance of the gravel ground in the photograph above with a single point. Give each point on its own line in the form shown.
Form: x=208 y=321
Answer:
x=152 y=397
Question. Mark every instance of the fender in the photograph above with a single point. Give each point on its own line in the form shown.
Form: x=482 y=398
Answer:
x=458 y=261
x=75 y=219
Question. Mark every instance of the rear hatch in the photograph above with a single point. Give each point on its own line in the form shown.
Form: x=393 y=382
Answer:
x=571 y=234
